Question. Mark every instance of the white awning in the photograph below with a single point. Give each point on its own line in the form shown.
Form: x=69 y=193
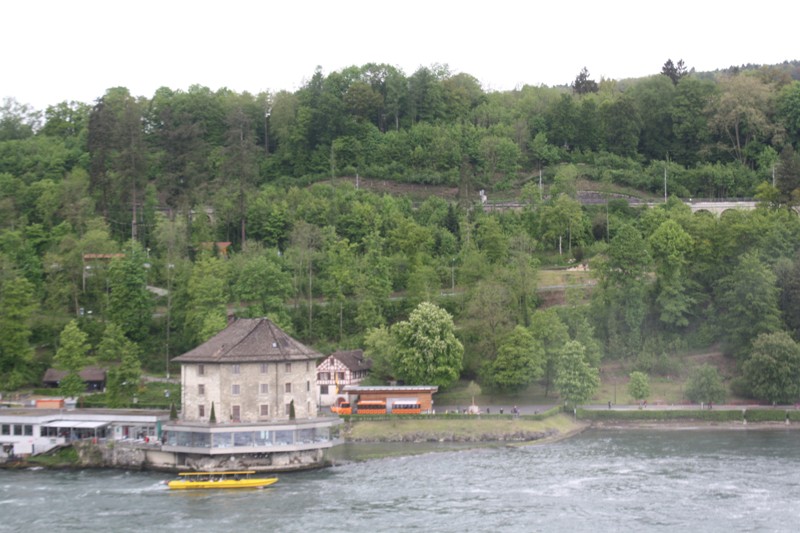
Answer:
x=75 y=424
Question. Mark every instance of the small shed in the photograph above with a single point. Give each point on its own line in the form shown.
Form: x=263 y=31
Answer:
x=419 y=394
x=93 y=377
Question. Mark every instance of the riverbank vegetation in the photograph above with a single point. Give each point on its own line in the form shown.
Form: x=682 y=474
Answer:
x=133 y=227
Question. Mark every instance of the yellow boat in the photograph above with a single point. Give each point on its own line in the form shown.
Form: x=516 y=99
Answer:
x=220 y=480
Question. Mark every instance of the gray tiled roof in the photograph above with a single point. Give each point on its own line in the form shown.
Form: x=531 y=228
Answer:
x=249 y=340
x=353 y=360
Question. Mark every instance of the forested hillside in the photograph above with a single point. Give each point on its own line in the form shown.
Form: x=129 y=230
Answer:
x=133 y=226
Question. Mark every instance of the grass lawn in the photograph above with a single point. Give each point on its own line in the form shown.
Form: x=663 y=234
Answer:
x=467 y=392
x=461 y=428
x=662 y=391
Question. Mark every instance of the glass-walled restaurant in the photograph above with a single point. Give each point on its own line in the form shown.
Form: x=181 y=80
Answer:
x=218 y=439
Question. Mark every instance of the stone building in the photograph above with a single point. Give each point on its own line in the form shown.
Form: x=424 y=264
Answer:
x=260 y=384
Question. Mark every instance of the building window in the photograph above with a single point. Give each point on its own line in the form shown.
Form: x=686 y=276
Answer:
x=201 y=390
x=324 y=376
x=308 y=386
x=323 y=389
x=235 y=412
x=264 y=410
x=235 y=389
x=288 y=388
x=264 y=389
x=288 y=368
x=308 y=366
x=28 y=430
x=201 y=411
x=235 y=369
x=264 y=368
x=201 y=370
x=340 y=376
x=18 y=429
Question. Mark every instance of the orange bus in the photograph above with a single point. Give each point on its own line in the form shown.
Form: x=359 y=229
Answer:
x=342 y=409
x=406 y=409
x=371 y=407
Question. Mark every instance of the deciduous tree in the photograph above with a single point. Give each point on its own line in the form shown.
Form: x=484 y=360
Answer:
x=747 y=302
x=428 y=352
x=17 y=304
x=576 y=379
x=705 y=385
x=72 y=355
x=639 y=386
x=772 y=369
x=519 y=361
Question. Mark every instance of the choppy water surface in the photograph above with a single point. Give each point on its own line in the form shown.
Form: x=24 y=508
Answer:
x=598 y=481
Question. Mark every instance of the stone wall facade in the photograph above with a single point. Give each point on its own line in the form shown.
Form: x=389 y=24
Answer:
x=248 y=392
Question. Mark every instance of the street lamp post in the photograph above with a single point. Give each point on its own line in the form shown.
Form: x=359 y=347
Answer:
x=267 y=113
x=170 y=267
x=453 y=276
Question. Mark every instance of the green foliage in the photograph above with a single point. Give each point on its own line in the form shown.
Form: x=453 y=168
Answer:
x=705 y=385
x=17 y=305
x=670 y=246
x=639 y=386
x=130 y=303
x=619 y=305
x=713 y=415
x=71 y=386
x=576 y=379
x=547 y=327
x=332 y=261
x=380 y=348
x=72 y=356
x=771 y=415
x=206 y=313
x=748 y=302
x=428 y=352
x=519 y=361
x=123 y=379
x=113 y=344
x=773 y=368
x=73 y=348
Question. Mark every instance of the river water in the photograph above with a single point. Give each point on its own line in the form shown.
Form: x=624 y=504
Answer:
x=601 y=480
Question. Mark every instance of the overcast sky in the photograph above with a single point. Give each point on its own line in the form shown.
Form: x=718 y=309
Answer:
x=74 y=50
